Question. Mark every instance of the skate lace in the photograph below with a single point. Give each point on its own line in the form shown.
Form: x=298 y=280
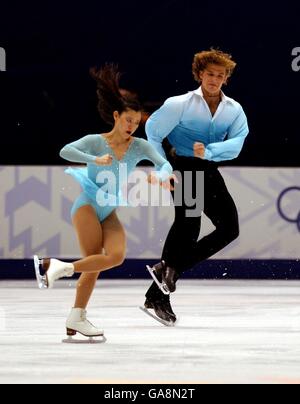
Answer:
x=61 y=273
x=67 y=272
x=84 y=319
x=83 y=315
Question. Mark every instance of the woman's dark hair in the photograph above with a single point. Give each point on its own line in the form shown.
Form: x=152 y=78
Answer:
x=110 y=97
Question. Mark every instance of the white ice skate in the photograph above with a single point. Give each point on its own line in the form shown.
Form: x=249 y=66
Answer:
x=78 y=323
x=53 y=270
x=162 y=285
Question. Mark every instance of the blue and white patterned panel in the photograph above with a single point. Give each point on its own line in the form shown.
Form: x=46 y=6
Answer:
x=35 y=205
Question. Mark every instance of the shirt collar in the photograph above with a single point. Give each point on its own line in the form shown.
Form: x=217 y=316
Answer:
x=199 y=91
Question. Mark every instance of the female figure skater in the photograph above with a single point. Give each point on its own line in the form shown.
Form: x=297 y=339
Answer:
x=98 y=227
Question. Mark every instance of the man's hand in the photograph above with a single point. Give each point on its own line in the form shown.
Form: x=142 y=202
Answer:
x=104 y=160
x=153 y=180
x=199 y=150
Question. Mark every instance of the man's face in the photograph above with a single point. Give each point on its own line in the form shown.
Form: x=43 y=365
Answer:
x=213 y=78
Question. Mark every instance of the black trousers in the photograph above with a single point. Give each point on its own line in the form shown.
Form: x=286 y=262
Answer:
x=182 y=250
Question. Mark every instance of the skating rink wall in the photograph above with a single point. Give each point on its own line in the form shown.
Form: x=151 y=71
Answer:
x=35 y=204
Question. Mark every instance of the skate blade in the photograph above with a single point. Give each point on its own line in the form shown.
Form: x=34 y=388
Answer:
x=165 y=323
x=41 y=280
x=162 y=286
x=88 y=340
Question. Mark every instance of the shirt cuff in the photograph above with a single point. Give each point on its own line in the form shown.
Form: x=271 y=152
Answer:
x=207 y=155
x=92 y=159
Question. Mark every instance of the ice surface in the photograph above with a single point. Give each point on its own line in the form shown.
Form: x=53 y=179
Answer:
x=228 y=332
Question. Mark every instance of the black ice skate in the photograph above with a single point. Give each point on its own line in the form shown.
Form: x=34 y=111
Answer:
x=170 y=277
x=156 y=272
x=165 y=277
x=161 y=311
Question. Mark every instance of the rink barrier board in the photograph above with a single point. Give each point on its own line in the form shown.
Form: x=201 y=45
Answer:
x=35 y=205
x=211 y=269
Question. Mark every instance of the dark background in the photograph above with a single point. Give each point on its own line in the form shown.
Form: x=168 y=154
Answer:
x=48 y=99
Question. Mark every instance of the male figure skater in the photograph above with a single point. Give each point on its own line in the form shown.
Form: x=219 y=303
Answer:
x=203 y=127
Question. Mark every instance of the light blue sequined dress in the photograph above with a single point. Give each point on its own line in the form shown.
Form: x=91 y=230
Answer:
x=86 y=150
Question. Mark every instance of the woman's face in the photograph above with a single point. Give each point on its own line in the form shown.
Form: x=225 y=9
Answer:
x=128 y=122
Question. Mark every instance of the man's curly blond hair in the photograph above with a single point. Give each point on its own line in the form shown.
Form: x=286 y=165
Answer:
x=213 y=56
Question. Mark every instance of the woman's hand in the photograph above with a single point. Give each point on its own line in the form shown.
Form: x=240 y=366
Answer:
x=199 y=150
x=104 y=160
x=154 y=180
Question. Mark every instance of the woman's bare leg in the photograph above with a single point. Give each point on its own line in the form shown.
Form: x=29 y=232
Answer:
x=97 y=262
x=92 y=237
x=114 y=239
